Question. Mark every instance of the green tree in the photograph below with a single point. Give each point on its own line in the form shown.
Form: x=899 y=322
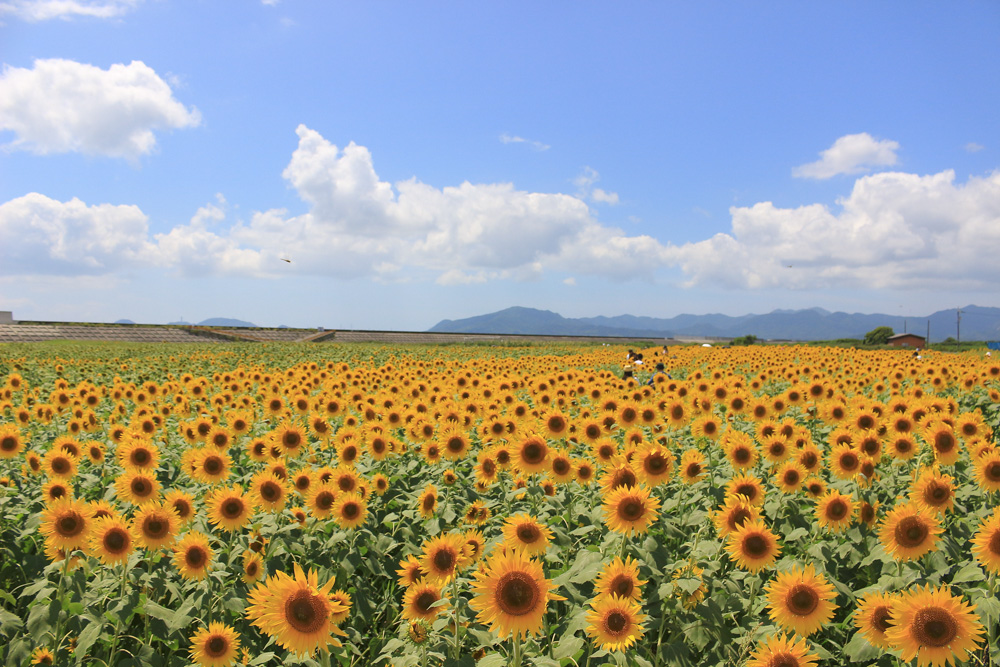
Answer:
x=878 y=336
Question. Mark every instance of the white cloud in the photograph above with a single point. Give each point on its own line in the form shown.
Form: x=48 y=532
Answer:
x=850 y=154
x=46 y=236
x=514 y=139
x=44 y=10
x=60 y=106
x=895 y=230
x=973 y=147
x=585 y=188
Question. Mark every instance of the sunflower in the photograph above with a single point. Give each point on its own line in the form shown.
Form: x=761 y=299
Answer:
x=442 y=557
x=532 y=455
x=11 y=442
x=269 y=491
x=872 y=617
x=289 y=438
x=427 y=502
x=486 y=469
x=800 y=600
x=210 y=465
x=620 y=577
x=229 y=508
x=835 y=511
x=454 y=443
x=253 y=566
x=753 y=546
x=321 y=499
x=933 y=626
x=734 y=513
x=741 y=450
x=809 y=457
x=350 y=510
x=941 y=437
x=933 y=491
x=614 y=622
x=971 y=425
x=137 y=487
x=692 y=466
x=138 y=453
x=782 y=651
x=707 y=426
x=215 y=646
x=619 y=475
x=409 y=571
x=510 y=594
x=789 y=476
x=561 y=467
x=110 y=540
x=193 y=555
x=59 y=464
x=381 y=483
x=154 y=525
x=525 y=533
x=296 y=611
x=653 y=464
x=584 y=469
x=987 y=471
x=55 y=489
x=474 y=545
x=908 y=532
x=845 y=462
x=420 y=602
x=66 y=523
x=630 y=510
x=749 y=486
x=182 y=503
x=986 y=543
x=903 y=447
x=42 y=656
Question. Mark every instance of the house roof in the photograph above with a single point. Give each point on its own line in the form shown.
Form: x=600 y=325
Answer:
x=905 y=335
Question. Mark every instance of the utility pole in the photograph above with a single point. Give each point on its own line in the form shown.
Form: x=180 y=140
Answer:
x=958 y=325
x=928 y=340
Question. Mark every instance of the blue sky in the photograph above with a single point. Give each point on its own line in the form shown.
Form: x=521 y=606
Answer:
x=428 y=160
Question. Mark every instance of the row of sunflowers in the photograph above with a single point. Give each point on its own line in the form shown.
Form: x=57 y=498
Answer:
x=463 y=505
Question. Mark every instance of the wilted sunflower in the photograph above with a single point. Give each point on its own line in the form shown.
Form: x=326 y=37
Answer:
x=525 y=533
x=615 y=622
x=511 y=594
x=782 y=651
x=296 y=611
x=442 y=557
x=350 y=510
x=110 y=540
x=620 y=577
x=986 y=543
x=215 y=646
x=155 y=525
x=630 y=510
x=193 y=555
x=753 y=546
x=229 y=508
x=908 y=532
x=933 y=626
x=420 y=602
x=66 y=523
x=872 y=617
x=835 y=511
x=800 y=600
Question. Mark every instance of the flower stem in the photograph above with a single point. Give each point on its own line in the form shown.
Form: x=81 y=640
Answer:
x=118 y=621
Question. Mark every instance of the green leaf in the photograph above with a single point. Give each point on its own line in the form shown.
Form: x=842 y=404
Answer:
x=567 y=647
x=859 y=650
x=493 y=660
x=9 y=622
x=87 y=638
x=796 y=534
x=971 y=572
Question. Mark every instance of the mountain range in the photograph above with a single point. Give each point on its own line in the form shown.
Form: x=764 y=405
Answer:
x=977 y=323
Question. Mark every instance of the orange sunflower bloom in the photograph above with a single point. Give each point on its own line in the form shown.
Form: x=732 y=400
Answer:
x=872 y=617
x=800 y=600
x=630 y=510
x=986 y=543
x=525 y=533
x=783 y=651
x=753 y=546
x=511 y=593
x=908 y=532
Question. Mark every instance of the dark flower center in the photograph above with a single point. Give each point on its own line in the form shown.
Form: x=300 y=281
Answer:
x=802 y=600
x=616 y=622
x=933 y=626
x=517 y=593
x=305 y=612
x=911 y=532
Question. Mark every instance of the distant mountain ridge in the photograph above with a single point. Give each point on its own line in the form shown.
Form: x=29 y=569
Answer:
x=978 y=323
x=216 y=322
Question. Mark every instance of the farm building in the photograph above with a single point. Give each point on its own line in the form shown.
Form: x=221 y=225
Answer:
x=907 y=340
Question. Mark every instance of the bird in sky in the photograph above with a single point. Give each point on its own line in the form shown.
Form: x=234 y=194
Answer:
x=286 y=260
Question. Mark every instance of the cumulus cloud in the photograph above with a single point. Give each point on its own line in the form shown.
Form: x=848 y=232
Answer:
x=850 y=154
x=895 y=230
x=44 y=10
x=973 y=147
x=514 y=139
x=46 y=236
x=61 y=106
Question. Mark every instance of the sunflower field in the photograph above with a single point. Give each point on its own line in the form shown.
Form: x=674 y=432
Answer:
x=323 y=504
